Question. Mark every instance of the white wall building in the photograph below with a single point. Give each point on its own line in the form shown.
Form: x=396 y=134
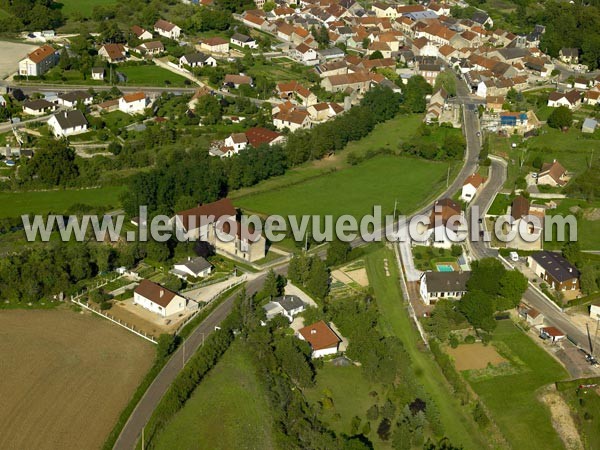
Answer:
x=158 y=299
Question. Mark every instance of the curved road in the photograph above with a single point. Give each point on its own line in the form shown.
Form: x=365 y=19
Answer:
x=143 y=411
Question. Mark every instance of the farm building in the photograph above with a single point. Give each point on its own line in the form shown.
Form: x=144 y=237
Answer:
x=158 y=299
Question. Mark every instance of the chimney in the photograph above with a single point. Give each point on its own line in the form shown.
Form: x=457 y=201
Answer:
x=313 y=331
x=189 y=258
x=570 y=269
x=162 y=292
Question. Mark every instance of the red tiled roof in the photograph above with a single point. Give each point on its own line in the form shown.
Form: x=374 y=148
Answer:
x=41 y=53
x=155 y=293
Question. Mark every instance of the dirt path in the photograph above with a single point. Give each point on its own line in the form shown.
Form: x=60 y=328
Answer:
x=561 y=418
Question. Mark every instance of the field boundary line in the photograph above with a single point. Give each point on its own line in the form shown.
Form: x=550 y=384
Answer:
x=106 y=316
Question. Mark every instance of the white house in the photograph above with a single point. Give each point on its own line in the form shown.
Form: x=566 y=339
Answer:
x=68 y=123
x=288 y=306
x=215 y=45
x=133 y=103
x=158 y=299
x=241 y=40
x=471 y=186
x=304 y=54
x=446 y=224
x=236 y=142
x=569 y=99
x=197 y=59
x=38 y=107
x=38 y=62
x=141 y=33
x=292 y=119
x=167 y=29
x=70 y=99
x=98 y=73
x=552 y=333
x=436 y=285
x=194 y=267
x=322 y=339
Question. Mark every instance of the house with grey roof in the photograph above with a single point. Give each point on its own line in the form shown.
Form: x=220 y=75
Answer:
x=437 y=285
x=555 y=270
x=197 y=59
x=68 y=123
x=287 y=306
x=193 y=267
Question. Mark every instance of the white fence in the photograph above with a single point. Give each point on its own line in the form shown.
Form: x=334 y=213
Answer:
x=114 y=320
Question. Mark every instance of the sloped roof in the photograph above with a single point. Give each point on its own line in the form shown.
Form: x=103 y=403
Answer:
x=319 y=336
x=41 y=53
x=155 y=293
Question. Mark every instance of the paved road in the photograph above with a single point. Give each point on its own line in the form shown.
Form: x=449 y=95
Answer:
x=141 y=414
x=143 y=411
x=480 y=249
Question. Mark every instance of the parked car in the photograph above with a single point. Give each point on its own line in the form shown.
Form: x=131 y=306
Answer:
x=514 y=256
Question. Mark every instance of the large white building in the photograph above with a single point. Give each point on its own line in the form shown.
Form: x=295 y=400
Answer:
x=158 y=299
x=436 y=285
x=38 y=62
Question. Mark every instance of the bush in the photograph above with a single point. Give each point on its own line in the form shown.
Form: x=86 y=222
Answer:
x=469 y=339
x=453 y=340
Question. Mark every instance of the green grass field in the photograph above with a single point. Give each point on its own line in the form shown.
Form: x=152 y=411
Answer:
x=458 y=425
x=84 y=7
x=512 y=398
x=585 y=403
x=13 y=204
x=385 y=135
x=336 y=383
x=354 y=191
x=228 y=410
x=149 y=75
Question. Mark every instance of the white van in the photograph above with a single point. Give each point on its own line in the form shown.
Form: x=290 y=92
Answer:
x=514 y=256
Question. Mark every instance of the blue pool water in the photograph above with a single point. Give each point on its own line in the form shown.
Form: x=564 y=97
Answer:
x=444 y=268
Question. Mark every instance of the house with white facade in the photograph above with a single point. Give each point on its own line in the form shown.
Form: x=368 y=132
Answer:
x=193 y=267
x=287 y=306
x=38 y=107
x=197 y=59
x=446 y=224
x=471 y=187
x=134 y=103
x=158 y=299
x=437 y=285
x=68 y=123
x=71 y=99
x=167 y=29
x=322 y=339
x=39 y=61
x=570 y=99
x=241 y=40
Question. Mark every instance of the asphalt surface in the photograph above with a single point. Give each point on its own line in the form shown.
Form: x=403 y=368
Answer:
x=141 y=414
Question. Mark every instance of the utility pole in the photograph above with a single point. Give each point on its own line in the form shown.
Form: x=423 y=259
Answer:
x=143 y=437
x=591 y=157
x=183 y=356
x=395 y=204
x=448 y=177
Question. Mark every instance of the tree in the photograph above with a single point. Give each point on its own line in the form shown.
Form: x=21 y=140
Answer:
x=270 y=287
x=337 y=252
x=158 y=251
x=456 y=250
x=512 y=286
x=414 y=94
x=53 y=164
x=589 y=280
x=478 y=308
x=376 y=55
x=561 y=118
x=447 y=81
x=318 y=280
x=166 y=344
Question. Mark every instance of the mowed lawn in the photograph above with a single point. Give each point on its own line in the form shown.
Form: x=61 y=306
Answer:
x=228 y=410
x=83 y=7
x=524 y=421
x=394 y=320
x=354 y=191
x=150 y=75
x=14 y=204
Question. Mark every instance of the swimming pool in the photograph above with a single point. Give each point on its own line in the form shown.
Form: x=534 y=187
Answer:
x=445 y=268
